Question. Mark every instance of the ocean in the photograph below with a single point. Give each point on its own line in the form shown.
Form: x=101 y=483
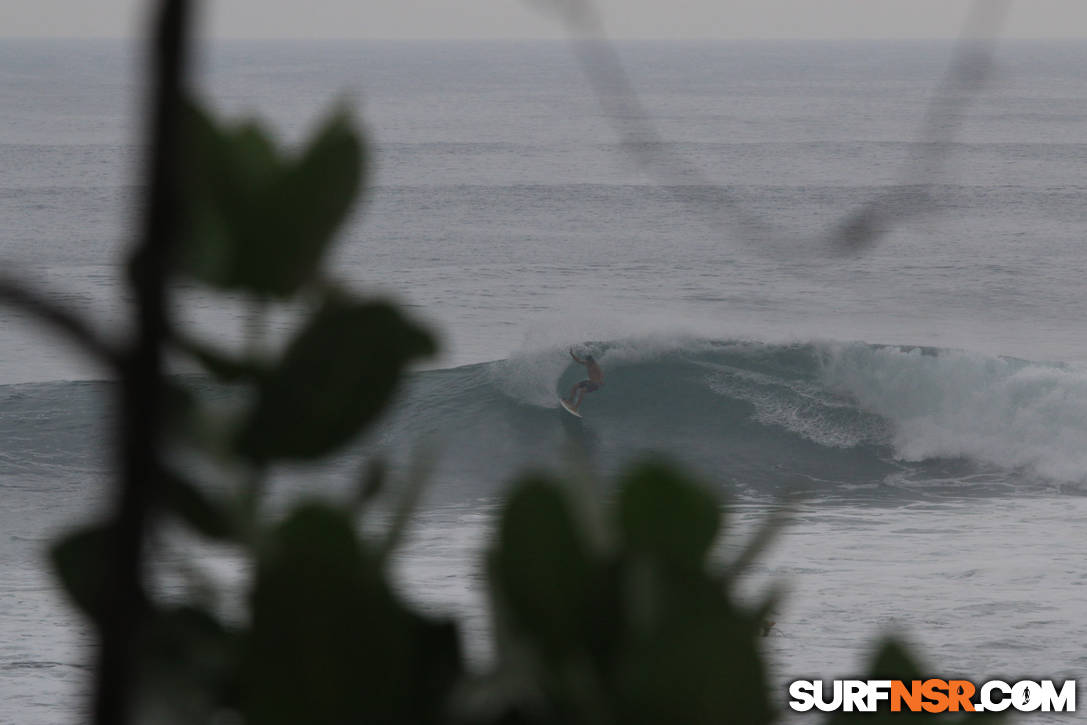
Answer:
x=921 y=406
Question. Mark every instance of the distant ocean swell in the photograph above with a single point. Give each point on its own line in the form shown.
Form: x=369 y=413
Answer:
x=757 y=414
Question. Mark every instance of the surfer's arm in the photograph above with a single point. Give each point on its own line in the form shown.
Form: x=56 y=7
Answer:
x=576 y=358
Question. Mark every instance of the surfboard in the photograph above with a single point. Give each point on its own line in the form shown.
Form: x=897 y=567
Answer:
x=568 y=409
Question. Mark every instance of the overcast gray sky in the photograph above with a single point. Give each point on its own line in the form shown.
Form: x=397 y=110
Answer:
x=522 y=19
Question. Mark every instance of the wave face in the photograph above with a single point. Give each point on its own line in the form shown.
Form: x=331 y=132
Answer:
x=59 y=430
x=757 y=417
x=760 y=416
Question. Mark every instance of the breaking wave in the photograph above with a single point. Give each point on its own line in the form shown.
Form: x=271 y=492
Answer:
x=757 y=415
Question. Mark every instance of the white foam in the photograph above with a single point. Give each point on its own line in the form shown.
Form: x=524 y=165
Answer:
x=1011 y=413
x=803 y=408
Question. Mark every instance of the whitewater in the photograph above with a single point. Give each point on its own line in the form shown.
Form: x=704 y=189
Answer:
x=920 y=409
x=763 y=418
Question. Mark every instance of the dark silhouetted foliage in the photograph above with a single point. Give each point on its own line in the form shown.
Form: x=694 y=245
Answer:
x=601 y=614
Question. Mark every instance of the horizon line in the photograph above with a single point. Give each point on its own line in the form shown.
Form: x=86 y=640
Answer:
x=560 y=38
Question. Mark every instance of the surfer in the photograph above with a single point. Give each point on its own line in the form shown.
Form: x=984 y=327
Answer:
x=594 y=383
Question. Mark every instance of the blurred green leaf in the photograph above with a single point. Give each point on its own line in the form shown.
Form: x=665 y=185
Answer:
x=220 y=364
x=189 y=665
x=757 y=544
x=202 y=417
x=644 y=633
x=691 y=654
x=197 y=509
x=542 y=569
x=371 y=483
x=701 y=665
x=892 y=659
x=81 y=560
x=259 y=221
x=256 y=163
x=335 y=378
x=182 y=408
x=310 y=200
x=665 y=515
x=330 y=643
x=223 y=186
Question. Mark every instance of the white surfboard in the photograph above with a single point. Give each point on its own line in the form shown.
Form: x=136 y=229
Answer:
x=568 y=409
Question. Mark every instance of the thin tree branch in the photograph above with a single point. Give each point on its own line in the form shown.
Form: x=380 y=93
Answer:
x=142 y=377
x=627 y=115
x=965 y=75
x=68 y=323
x=854 y=232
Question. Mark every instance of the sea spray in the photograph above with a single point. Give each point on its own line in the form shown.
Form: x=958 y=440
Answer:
x=1010 y=413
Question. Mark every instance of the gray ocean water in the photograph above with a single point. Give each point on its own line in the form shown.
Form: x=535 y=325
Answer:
x=928 y=398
